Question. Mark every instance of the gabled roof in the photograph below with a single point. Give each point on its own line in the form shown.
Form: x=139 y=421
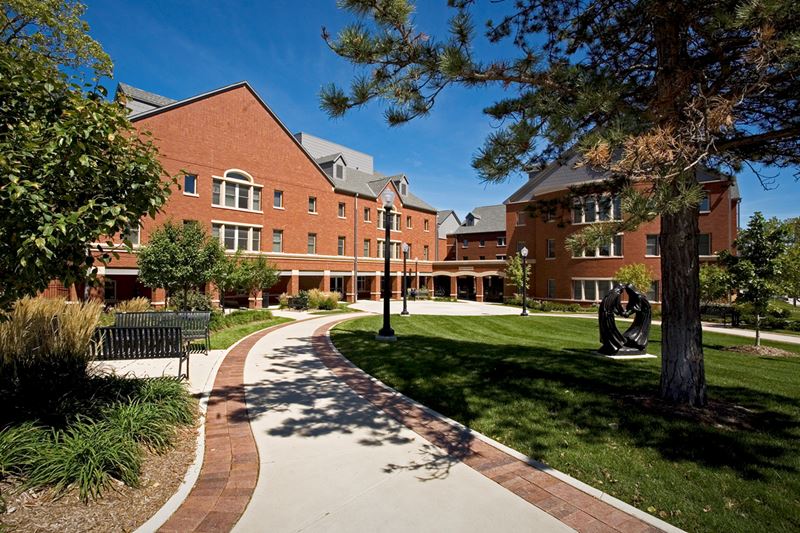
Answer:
x=487 y=219
x=441 y=216
x=186 y=101
x=365 y=184
x=330 y=158
x=143 y=96
x=566 y=172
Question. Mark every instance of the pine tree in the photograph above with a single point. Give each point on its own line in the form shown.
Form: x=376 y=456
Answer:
x=646 y=90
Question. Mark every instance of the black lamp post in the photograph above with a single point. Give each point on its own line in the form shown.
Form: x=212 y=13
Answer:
x=524 y=254
x=387 y=333
x=405 y=280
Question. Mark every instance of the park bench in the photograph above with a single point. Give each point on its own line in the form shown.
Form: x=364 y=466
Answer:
x=193 y=324
x=725 y=312
x=123 y=343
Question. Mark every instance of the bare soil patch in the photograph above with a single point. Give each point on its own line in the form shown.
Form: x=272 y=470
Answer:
x=121 y=508
x=764 y=351
x=718 y=414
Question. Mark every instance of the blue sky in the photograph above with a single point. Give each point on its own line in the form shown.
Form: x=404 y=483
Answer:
x=179 y=49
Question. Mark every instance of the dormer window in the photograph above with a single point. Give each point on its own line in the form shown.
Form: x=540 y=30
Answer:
x=403 y=188
x=338 y=171
x=470 y=221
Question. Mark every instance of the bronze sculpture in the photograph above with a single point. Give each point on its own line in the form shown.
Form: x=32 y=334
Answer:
x=634 y=340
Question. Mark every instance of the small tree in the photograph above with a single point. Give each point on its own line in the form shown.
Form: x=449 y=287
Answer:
x=258 y=274
x=514 y=273
x=755 y=270
x=234 y=273
x=178 y=257
x=637 y=274
x=790 y=261
x=715 y=283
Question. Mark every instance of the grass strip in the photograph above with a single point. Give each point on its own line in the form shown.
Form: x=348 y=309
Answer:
x=225 y=338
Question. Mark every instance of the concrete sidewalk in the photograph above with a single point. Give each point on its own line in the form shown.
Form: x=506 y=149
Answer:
x=332 y=461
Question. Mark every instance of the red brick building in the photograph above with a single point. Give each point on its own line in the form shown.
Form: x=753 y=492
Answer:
x=557 y=274
x=312 y=207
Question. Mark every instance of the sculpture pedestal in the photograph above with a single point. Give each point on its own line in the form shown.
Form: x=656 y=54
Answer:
x=623 y=356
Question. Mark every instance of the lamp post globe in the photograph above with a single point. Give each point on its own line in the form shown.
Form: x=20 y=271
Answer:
x=386 y=333
x=406 y=249
x=524 y=254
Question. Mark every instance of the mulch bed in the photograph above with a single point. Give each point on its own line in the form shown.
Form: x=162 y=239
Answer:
x=764 y=351
x=121 y=508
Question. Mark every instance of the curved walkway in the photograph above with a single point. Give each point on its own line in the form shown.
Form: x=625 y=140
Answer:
x=230 y=463
x=341 y=452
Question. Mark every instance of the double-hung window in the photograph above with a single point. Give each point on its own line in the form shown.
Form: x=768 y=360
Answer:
x=190 y=184
x=342 y=210
x=277 y=240
x=312 y=243
x=341 y=247
x=612 y=248
x=652 y=246
x=312 y=204
x=234 y=236
x=551 y=249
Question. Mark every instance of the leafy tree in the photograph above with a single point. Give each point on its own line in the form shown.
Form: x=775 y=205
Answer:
x=258 y=274
x=715 y=283
x=755 y=270
x=73 y=167
x=514 y=274
x=637 y=274
x=646 y=90
x=235 y=273
x=790 y=261
x=178 y=258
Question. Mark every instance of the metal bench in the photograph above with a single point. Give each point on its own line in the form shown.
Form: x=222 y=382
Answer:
x=193 y=324
x=724 y=312
x=119 y=343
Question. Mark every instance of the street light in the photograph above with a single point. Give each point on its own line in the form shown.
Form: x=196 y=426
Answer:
x=387 y=333
x=405 y=280
x=524 y=254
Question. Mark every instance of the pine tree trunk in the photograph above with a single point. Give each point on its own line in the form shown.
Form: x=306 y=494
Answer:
x=682 y=372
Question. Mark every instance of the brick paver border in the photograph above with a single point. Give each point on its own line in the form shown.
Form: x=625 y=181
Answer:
x=229 y=473
x=573 y=507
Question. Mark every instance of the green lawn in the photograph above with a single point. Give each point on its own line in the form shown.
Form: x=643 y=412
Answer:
x=533 y=384
x=224 y=338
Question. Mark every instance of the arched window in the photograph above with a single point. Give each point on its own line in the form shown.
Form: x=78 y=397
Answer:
x=236 y=190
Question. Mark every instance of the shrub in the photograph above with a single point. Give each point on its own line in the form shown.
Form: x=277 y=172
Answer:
x=134 y=305
x=283 y=301
x=44 y=350
x=194 y=301
x=300 y=301
x=112 y=419
x=236 y=318
x=423 y=293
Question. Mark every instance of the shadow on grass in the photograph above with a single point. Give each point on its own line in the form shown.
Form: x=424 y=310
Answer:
x=315 y=403
x=530 y=394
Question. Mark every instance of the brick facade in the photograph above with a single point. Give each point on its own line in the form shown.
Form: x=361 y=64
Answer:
x=232 y=129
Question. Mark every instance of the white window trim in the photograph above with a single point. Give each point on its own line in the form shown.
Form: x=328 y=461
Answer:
x=339 y=209
x=315 y=243
x=280 y=207
x=482 y=245
x=196 y=180
x=343 y=240
x=596 y=288
x=225 y=180
x=315 y=211
x=597 y=252
x=596 y=198
x=426 y=225
x=237 y=225
x=272 y=245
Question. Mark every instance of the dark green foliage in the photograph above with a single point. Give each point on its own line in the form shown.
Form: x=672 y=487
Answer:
x=74 y=169
x=178 y=257
x=95 y=434
x=755 y=269
x=534 y=384
x=192 y=300
x=220 y=321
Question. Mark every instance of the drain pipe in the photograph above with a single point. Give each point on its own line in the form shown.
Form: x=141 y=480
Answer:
x=355 y=249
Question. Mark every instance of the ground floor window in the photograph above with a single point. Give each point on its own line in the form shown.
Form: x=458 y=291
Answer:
x=362 y=284
x=591 y=290
x=654 y=294
x=110 y=290
x=551 y=288
x=337 y=285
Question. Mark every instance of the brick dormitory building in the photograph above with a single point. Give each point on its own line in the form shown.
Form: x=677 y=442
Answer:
x=312 y=207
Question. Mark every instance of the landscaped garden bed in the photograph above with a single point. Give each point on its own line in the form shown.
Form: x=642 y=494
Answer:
x=77 y=446
x=536 y=385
